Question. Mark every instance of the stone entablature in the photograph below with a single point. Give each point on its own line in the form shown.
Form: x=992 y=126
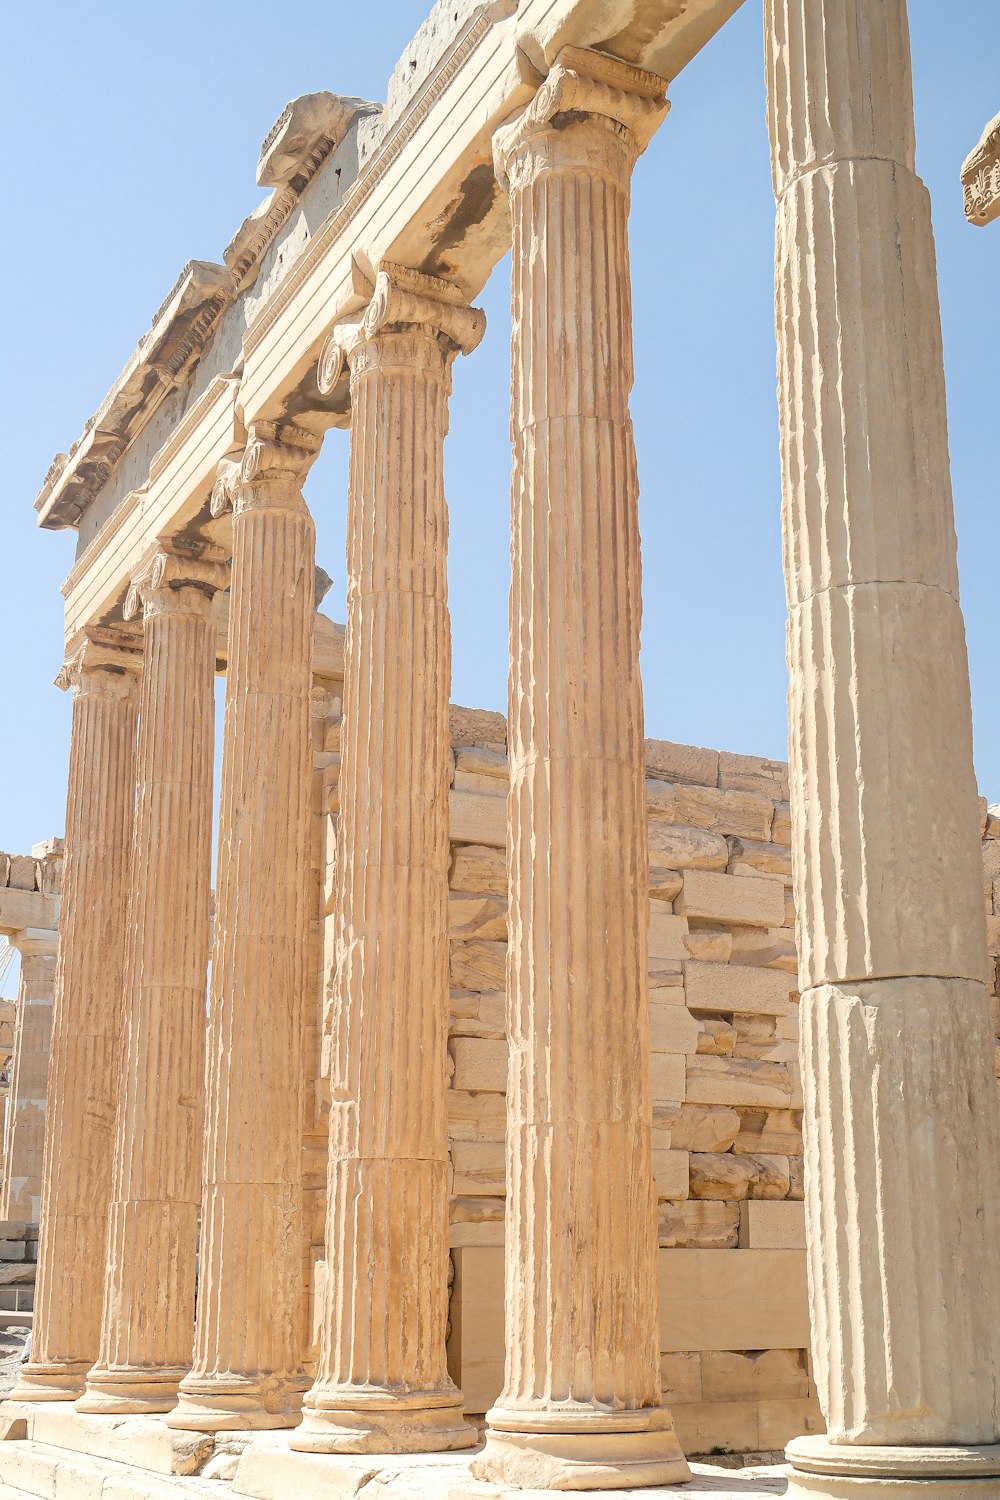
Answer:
x=981 y=177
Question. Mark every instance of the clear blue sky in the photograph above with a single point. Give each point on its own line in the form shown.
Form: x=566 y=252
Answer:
x=132 y=134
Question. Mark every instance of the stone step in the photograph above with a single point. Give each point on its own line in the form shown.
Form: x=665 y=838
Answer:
x=48 y=1473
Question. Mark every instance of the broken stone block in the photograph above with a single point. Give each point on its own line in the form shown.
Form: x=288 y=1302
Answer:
x=716 y=1038
x=479 y=869
x=694 y=1225
x=686 y=848
x=708 y=942
x=751 y=773
x=754 y=900
x=682 y=763
x=720 y=1175
x=771 y=1176
x=731 y=1080
x=479 y=965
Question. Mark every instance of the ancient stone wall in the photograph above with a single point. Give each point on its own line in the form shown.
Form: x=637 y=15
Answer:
x=727 y=1098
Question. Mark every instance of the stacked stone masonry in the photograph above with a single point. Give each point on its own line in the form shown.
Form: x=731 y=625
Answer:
x=727 y=1101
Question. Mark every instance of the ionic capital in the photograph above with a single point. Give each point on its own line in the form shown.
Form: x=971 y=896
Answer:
x=176 y=583
x=626 y=103
x=271 y=471
x=105 y=664
x=427 y=316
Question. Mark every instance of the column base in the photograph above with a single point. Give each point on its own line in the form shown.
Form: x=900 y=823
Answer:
x=351 y=1421
x=50 y=1382
x=230 y=1403
x=581 y=1449
x=821 y=1470
x=130 y=1390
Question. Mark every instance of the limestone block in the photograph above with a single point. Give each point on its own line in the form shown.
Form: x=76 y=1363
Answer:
x=796 y=1178
x=665 y=884
x=720 y=1175
x=477 y=818
x=741 y=814
x=709 y=943
x=22 y=873
x=751 y=773
x=781 y=828
x=680 y=1376
x=779 y=1421
x=726 y=1299
x=774 y=1050
x=736 y=988
x=475 y=761
x=766 y=859
x=750 y=899
x=682 y=763
x=477 y=726
x=670 y=1172
x=728 y=1080
x=667 y=933
x=716 y=1038
x=765 y=947
x=694 y=1128
x=672 y=1028
x=475 y=1220
x=667 y=1077
x=772 y=1224
x=696 y=1224
x=774 y=1374
x=681 y=848
x=476 y=1339
x=480 y=1168
x=478 y=965
x=481 y=1066
x=711 y=1427
x=772 y=1131
x=4 y=868
x=479 y=869
x=771 y=1176
x=478 y=916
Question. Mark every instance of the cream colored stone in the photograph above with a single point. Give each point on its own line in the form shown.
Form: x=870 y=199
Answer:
x=716 y=1038
x=478 y=965
x=774 y=1131
x=480 y=1066
x=477 y=818
x=682 y=763
x=697 y=1129
x=249 y=1347
x=767 y=859
x=720 y=1176
x=670 y=1173
x=886 y=854
x=778 y=1374
x=729 y=1080
x=685 y=848
x=672 y=1028
x=668 y=1077
x=772 y=1224
x=575 y=663
x=668 y=934
x=737 y=988
x=477 y=868
x=751 y=899
x=697 y=1225
x=478 y=916
x=733 y=1299
x=706 y=941
x=153 y=1226
x=20 y=1196
x=750 y=773
x=86 y=1024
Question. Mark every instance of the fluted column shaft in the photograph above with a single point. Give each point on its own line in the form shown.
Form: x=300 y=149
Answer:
x=383 y=1383
x=22 y=1167
x=581 y=1403
x=85 y=1058
x=901 y=1121
x=147 y=1335
x=250 y=1328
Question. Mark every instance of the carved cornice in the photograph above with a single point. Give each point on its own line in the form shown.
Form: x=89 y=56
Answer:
x=402 y=299
x=981 y=177
x=305 y=134
x=180 y=330
x=170 y=578
x=374 y=171
x=586 y=83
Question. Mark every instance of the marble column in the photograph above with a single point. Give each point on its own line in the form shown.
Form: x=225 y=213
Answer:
x=581 y=1406
x=383 y=1384
x=250 y=1327
x=22 y=1168
x=146 y=1341
x=901 y=1122
x=85 y=1056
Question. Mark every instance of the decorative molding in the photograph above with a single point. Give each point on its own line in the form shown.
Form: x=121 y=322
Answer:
x=981 y=177
x=110 y=657
x=180 y=330
x=372 y=173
